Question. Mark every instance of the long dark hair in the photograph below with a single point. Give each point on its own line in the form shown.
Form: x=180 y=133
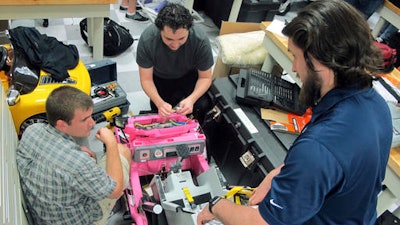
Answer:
x=338 y=36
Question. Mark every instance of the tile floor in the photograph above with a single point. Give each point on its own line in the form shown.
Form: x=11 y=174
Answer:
x=67 y=30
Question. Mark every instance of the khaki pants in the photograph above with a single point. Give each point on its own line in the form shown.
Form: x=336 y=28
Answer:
x=107 y=204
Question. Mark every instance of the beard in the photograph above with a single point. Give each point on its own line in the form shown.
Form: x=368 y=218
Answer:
x=310 y=90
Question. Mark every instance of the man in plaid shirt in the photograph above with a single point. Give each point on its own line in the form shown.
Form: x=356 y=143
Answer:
x=62 y=181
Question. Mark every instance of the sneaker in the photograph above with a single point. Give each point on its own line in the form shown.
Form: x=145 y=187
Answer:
x=137 y=16
x=124 y=8
x=284 y=7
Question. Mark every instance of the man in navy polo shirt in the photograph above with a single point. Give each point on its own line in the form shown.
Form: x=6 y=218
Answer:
x=334 y=170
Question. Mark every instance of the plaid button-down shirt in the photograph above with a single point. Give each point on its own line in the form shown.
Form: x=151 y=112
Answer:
x=61 y=183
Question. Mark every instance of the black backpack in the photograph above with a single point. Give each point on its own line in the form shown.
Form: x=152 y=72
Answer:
x=116 y=37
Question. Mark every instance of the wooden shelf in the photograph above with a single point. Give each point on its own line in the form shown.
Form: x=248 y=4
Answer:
x=394 y=160
x=57 y=2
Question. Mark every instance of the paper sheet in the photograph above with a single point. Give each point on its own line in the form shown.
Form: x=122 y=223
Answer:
x=276 y=27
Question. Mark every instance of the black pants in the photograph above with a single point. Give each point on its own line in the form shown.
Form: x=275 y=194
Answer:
x=175 y=90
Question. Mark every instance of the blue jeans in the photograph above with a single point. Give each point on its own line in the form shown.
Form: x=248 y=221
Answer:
x=387 y=30
x=367 y=7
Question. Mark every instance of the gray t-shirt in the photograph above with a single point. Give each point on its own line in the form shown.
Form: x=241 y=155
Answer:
x=194 y=55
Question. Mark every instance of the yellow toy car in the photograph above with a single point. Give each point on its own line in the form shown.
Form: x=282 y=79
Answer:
x=27 y=89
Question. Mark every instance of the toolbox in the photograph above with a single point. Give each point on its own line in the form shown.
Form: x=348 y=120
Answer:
x=105 y=91
x=115 y=96
x=241 y=143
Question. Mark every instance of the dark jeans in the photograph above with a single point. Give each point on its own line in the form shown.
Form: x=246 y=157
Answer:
x=175 y=90
x=367 y=7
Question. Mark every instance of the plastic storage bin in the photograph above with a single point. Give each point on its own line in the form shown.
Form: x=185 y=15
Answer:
x=250 y=11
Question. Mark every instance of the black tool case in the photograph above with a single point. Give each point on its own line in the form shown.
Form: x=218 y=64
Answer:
x=239 y=141
x=102 y=74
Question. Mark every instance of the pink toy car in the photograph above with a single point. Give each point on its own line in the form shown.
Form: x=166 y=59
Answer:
x=160 y=145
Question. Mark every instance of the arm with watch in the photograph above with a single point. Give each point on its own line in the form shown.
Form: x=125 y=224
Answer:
x=229 y=213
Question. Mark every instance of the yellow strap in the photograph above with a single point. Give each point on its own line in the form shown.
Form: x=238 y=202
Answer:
x=239 y=190
x=188 y=195
x=246 y=191
x=233 y=191
x=237 y=200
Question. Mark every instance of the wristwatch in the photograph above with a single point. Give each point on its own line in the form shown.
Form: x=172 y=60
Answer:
x=212 y=202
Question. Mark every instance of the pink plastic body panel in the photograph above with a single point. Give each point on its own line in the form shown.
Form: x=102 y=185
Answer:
x=134 y=131
x=140 y=139
x=196 y=163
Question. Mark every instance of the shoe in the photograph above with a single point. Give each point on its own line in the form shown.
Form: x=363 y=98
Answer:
x=124 y=8
x=284 y=7
x=45 y=22
x=380 y=40
x=137 y=16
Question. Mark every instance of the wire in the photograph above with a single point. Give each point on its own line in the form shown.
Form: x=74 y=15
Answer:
x=170 y=123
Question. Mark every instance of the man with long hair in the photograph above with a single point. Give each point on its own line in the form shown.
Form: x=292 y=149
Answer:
x=334 y=170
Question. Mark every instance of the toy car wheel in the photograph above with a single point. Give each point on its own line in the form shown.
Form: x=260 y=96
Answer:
x=41 y=118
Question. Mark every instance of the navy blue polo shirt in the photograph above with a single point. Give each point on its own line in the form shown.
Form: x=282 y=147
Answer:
x=334 y=170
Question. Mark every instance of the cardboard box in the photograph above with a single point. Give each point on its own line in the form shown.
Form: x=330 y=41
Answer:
x=284 y=121
x=221 y=69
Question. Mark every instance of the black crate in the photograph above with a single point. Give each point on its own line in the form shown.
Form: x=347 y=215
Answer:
x=231 y=135
x=387 y=218
x=257 y=11
x=250 y=11
x=396 y=3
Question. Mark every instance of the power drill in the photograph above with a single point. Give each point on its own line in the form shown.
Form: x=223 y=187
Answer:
x=109 y=115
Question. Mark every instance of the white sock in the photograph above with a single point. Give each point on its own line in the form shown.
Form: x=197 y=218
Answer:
x=131 y=14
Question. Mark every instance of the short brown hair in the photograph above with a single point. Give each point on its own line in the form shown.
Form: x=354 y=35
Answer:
x=63 y=101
